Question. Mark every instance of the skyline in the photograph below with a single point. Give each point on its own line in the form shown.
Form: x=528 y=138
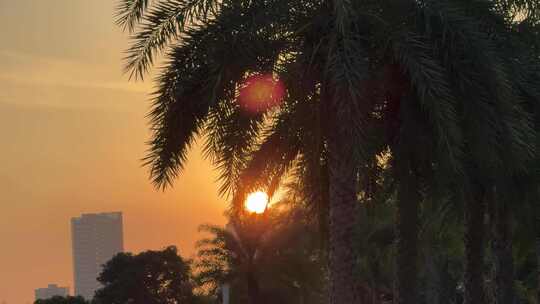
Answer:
x=74 y=131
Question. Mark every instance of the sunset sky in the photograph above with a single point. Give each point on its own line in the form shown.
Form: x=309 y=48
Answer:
x=72 y=132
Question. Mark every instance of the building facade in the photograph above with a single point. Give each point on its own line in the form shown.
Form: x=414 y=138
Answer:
x=96 y=238
x=50 y=291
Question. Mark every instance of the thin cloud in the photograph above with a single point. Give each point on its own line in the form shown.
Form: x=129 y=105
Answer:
x=43 y=71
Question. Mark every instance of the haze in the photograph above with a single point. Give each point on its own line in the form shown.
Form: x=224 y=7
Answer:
x=72 y=132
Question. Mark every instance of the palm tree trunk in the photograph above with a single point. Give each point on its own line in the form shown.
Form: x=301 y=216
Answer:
x=537 y=248
x=538 y=265
x=502 y=251
x=253 y=289
x=342 y=214
x=448 y=285
x=407 y=236
x=432 y=281
x=406 y=164
x=475 y=209
x=302 y=295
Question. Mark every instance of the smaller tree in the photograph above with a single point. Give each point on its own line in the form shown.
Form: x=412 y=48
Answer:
x=268 y=258
x=62 y=300
x=150 y=277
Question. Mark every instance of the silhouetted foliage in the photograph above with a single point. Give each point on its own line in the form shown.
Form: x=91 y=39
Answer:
x=446 y=90
x=268 y=258
x=62 y=300
x=150 y=277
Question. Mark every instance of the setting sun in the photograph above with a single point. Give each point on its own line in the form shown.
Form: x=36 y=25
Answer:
x=256 y=202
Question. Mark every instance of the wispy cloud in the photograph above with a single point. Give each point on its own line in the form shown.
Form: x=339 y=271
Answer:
x=42 y=71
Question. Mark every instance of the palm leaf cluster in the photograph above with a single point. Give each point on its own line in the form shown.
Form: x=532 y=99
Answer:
x=433 y=50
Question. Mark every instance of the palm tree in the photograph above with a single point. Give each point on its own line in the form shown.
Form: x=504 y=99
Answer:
x=425 y=81
x=265 y=259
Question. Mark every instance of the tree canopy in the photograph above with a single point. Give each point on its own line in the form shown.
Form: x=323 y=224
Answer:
x=150 y=277
x=440 y=95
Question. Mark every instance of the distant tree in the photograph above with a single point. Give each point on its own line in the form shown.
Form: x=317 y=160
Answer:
x=62 y=300
x=150 y=277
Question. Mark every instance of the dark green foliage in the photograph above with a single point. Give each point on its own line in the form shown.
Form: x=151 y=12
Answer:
x=148 y=277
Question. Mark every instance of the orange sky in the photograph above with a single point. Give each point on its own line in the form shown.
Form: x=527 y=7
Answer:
x=72 y=131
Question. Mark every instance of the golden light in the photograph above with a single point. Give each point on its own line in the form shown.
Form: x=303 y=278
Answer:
x=257 y=202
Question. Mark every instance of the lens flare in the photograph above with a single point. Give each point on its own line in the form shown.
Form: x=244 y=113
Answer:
x=257 y=202
x=260 y=93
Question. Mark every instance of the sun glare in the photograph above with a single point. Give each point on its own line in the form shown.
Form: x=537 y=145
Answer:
x=260 y=93
x=257 y=202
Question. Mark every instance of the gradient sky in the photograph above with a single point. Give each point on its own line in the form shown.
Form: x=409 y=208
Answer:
x=72 y=131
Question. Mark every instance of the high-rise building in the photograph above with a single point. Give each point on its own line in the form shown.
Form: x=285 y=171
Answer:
x=96 y=238
x=50 y=291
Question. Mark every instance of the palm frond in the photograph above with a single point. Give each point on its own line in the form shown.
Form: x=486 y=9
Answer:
x=429 y=81
x=294 y=131
x=231 y=136
x=130 y=12
x=347 y=71
x=190 y=84
x=163 y=23
x=200 y=85
x=479 y=75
